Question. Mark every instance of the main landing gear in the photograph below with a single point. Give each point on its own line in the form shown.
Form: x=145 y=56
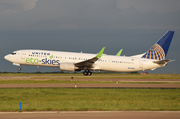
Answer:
x=87 y=73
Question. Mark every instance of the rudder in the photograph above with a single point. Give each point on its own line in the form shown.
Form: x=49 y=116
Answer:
x=159 y=50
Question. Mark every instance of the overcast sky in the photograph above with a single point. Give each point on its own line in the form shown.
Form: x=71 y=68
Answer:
x=113 y=23
x=89 y=14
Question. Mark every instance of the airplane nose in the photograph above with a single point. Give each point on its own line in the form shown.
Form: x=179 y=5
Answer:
x=6 y=57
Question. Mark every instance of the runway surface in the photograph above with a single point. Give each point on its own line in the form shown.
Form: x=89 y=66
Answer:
x=90 y=85
x=92 y=115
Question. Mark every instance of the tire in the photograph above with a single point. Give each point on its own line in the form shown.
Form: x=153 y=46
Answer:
x=89 y=73
x=85 y=73
x=19 y=68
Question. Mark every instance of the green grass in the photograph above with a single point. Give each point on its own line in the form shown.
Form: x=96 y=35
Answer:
x=75 y=99
x=97 y=76
x=16 y=81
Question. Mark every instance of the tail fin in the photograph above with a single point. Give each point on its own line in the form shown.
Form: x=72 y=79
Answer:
x=159 y=50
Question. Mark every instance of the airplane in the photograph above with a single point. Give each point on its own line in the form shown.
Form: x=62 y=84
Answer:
x=71 y=61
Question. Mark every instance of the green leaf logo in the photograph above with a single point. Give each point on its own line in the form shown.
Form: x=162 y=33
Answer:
x=51 y=56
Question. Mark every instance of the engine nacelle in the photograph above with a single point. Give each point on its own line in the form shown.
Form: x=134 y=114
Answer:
x=67 y=66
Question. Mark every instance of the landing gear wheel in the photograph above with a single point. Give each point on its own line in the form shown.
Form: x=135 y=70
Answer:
x=19 y=68
x=87 y=72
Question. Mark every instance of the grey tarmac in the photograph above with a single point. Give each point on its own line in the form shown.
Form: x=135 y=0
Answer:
x=92 y=115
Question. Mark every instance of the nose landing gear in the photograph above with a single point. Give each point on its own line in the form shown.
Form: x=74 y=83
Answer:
x=87 y=73
x=19 y=68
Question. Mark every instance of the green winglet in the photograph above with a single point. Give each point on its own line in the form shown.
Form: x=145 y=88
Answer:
x=119 y=53
x=100 y=53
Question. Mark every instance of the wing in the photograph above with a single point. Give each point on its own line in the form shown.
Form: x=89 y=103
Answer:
x=90 y=62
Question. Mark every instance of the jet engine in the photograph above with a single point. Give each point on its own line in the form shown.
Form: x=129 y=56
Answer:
x=67 y=66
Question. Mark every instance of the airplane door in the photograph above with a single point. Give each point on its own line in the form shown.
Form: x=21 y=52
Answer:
x=141 y=64
x=23 y=55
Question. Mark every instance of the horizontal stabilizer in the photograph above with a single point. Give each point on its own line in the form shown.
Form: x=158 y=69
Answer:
x=161 y=61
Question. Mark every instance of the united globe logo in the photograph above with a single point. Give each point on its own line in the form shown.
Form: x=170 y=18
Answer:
x=156 y=52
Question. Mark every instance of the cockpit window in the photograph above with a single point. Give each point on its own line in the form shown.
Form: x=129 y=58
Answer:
x=13 y=53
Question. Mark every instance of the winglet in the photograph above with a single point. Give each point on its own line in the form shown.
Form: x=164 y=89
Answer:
x=100 y=53
x=119 y=53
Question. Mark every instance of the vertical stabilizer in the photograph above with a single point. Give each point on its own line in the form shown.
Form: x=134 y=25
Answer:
x=159 y=50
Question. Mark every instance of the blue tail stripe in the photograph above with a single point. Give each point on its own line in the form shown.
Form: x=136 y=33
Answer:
x=159 y=50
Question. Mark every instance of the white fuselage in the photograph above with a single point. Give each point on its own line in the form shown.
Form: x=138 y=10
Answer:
x=105 y=63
